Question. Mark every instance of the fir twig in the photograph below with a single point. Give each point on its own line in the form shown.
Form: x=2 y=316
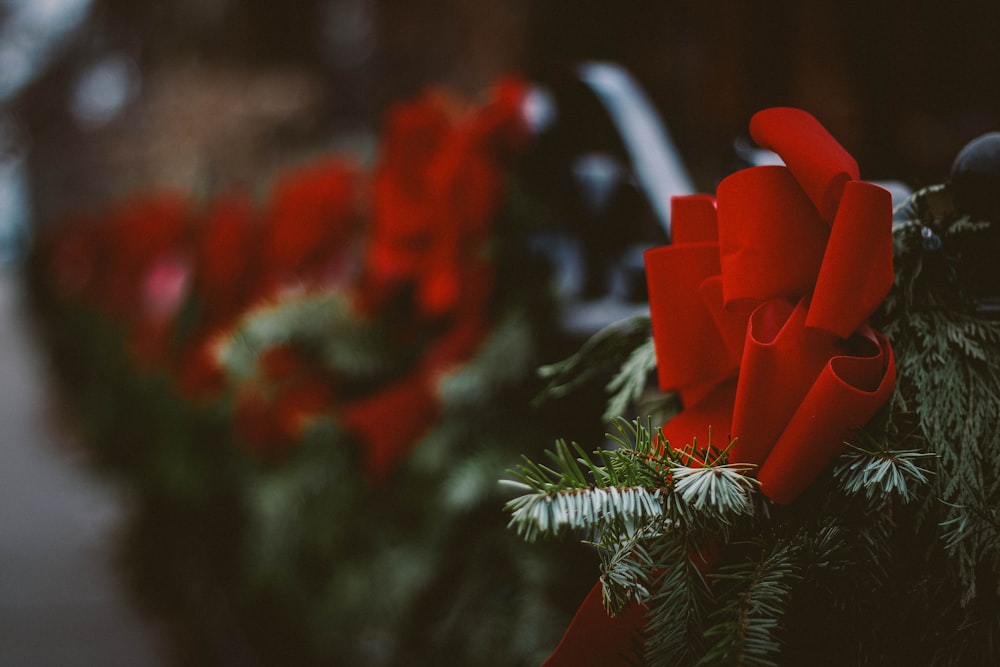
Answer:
x=608 y=348
x=586 y=493
x=625 y=571
x=630 y=381
x=883 y=474
x=679 y=604
x=746 y=630
x=721 y=491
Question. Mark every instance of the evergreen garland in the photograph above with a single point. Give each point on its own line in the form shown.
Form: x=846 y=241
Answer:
x=267 y=529
x=891 y=558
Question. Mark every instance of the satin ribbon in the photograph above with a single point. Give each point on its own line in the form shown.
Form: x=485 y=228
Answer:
x=759 y=313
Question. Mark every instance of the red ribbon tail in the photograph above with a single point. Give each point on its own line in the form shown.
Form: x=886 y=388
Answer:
x=594 y=638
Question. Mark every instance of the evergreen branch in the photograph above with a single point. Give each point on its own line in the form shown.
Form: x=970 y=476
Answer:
x=720 y=492
x=631 y=380
x=636 y=436
x=883 y=474
x=746 y=629
x=582 y=511
x=322 y=321
x=679 y=603
x=637 y=463
x=621 y=490
x=949 y=374
x=824 y=549
x=625 y=571
x=608 y=490
x=972 y=533
x=607 y=348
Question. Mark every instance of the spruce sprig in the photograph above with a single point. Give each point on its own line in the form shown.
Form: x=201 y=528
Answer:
x=618 y=490
x=884 y=473
x=680 y=602
x=606 y=349
x=629 y=383
x=746 y=629
x=651 y=511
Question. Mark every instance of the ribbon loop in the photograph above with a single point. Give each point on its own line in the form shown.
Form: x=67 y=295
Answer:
x=857 y=271
x=845 y=396
x=771 y=239
x=680 y=318
x=781 y=361
x=820 y=164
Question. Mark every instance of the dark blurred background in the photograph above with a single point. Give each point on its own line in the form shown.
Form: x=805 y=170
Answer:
x=203 y=93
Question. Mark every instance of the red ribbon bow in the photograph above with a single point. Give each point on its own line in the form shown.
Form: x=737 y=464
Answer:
x=759 y=312
x=760 y=306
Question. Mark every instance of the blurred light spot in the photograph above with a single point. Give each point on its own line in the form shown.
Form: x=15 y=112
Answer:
x=104 y=89
x=656 y=162
x=15 y=234
x=30 y=35
x=165 y=286
x=598 y=175
x=54 y=15
x=539 y=109
x=15 y=67
x=565 y=257
x=754 y=156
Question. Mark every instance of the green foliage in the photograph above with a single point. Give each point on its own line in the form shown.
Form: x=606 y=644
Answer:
x=744 y=629
x=608 y=348
x=622 y=350
x=719 y=493
x=609 y=494
x=949 y=365
x=305 y=560
x=883 y=474
x=892 y=557
x=322 y=322
x=679 y=604
x=627 y=386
